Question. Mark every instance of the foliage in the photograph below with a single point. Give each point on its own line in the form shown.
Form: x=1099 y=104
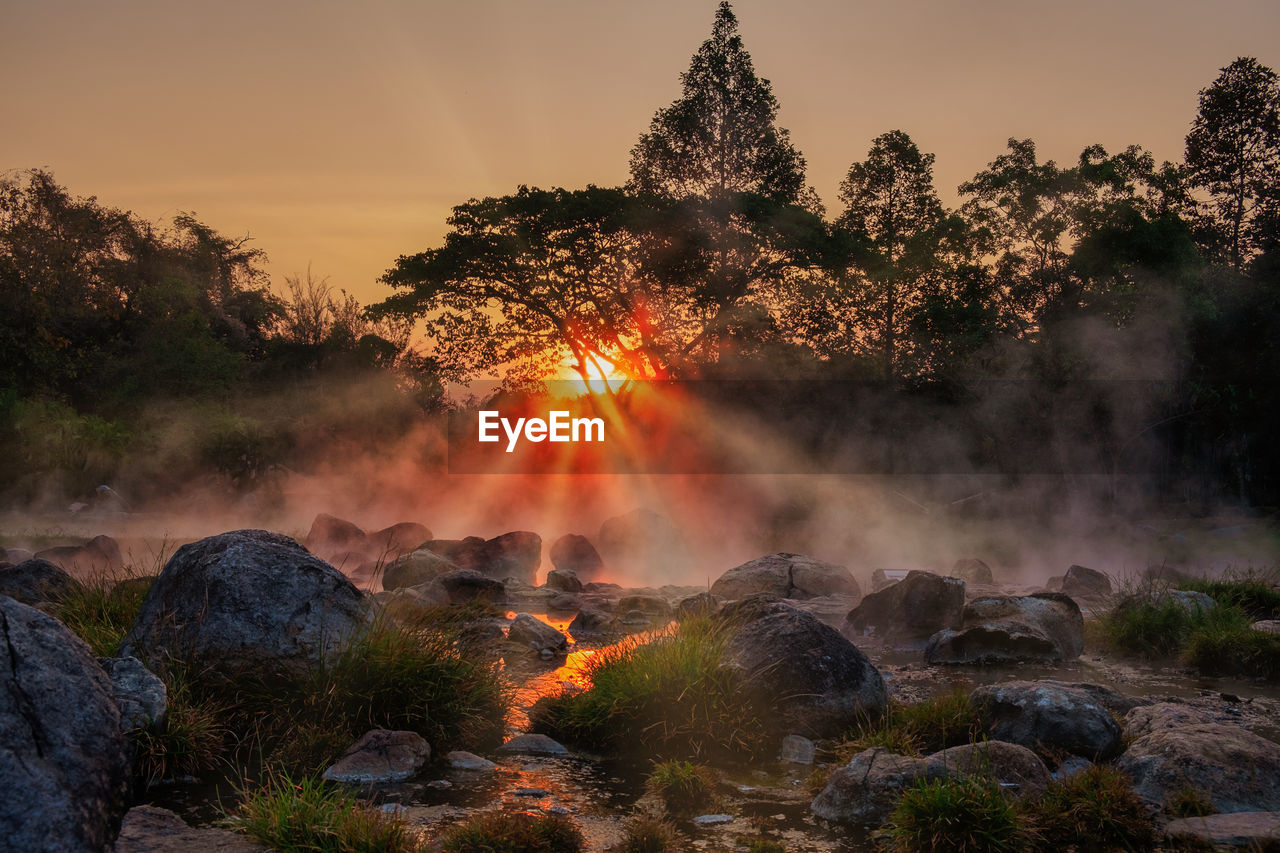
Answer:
x=194 y=738
x=684 y=788
x=648 y=834
x=1223 y=647
x=668 y=696
x=1256 y=593
x=1095 y=809
x=1188 y=802
x=937 y=723
x=308 y=815
x=101 y=610
x=967 y=815
x=504 y=832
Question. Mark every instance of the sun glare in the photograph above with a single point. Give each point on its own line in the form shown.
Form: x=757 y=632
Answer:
x=603 y=376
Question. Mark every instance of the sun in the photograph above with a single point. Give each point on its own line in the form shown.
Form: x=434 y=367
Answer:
x=602 y=376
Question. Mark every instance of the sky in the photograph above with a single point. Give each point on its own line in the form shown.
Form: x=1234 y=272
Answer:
x=338 y=135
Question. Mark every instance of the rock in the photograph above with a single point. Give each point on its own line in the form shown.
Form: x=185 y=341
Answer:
x=601 y=587
x=149 y=829
x=463 y=585
x=865 y=791
x=537 y=635
x=575 y=554
x=1046 y=627
x=64 y=762
x=1269 y=626
x=1237 y=770
x=591 y=621
x=513 y=555
x=1240 y=830
x=1016 y=768
x=381 y=756
x=971 y=570
x=564 y=580
x=533 y=745
x=915 y=608
x=785 y=576
x=1161 y=716
x=635 y=618
x=1070 y=766
x=1188 y=599
x=16 y=555
x=818 y=682
x=397 y=539
x=699 y=604
x=650 y=605
x=462 y=552
x=139 y=693
x=1048 y=715
x=35 y=581
x=564 y=602
x=882 y=580
x=713 y=819
x=1081 y=581
x=330 y=535
x=100 y=555
x=459 y=760
x=242 y=602
x=415 y=568
x=797 y=750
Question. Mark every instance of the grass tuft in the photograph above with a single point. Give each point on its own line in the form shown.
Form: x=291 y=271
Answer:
x=1188 y=802
x=1255 y=593
x=310 y=816
x=967 y=815
x=684 y=788
x=648 y=834
x=936 y=723
x=101 y=610
x=670 y=696
x=503 y=832
x=193 y=739
x=1095 y=809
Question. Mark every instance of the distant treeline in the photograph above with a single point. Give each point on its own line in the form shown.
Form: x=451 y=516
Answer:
x=717 y=260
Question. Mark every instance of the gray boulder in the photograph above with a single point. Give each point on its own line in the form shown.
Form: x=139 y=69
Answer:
x=1081 y=581
x=381 y=756
x=565 y=580
x=575 y=553
x=35 y=582
x=150 y=829
x=785 y=576
x=1048 y=715
x=463 y=585
x=533 y=745
x=1046 y=627
x=1144 y=720
x=914 y=608
x=698 y=604
x=1018 y=770
x=817 y=682
x=972 y=570
x=400 y=538
x=415 y=568
x=866 y=790
x=64 y=763
x=1237 y=770
x=330 y=535
x=243 y=602
x=139 y=693
x=592 y=621
x=100 y=555
x=1256 y=831
x=537 y=635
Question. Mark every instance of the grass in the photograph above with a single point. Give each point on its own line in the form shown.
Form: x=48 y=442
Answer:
x=758 y=844
x=194 y=738
x=311 y=816
x=1188 y=802
x=967 y=815
x=101 y=611
x=1256 y=593
x=668 y=697
x=684 y=788
x=648 y=834
x=937 y=723
x=1215 y=641
x=1095 y=809
x=503 y=832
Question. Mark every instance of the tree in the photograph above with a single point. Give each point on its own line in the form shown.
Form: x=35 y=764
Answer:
x=720 y=136
x=1233 y=151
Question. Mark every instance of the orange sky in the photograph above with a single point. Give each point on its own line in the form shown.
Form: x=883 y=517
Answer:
x=339 y=134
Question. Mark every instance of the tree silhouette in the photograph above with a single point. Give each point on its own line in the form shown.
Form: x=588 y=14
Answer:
x=1233 y=151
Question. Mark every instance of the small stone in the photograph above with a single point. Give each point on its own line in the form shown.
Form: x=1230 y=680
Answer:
x=381 y=756
x=713 y=819
x=530 y=792
x=459 y=760
x=533 y=745
x=796 y=749
x=439 y=784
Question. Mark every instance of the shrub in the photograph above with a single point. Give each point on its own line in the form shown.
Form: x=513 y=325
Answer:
x=1147 y=627
x=936 y=723
x=311 y=816
x=669 y=696
x=684 y=788
x=1224 y=648
x=967 y=815
x=501 y=832
x=1095 y=809
x=648 y=834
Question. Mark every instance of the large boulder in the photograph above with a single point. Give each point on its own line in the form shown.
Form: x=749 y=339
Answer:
x=1048 y=715
x=64 y=764
x=245 y=602
x=462 y=586
x=972 y=570
x=381 y=756
x=785 y=576
x=99 y=556
x=1255 y=831
x=818 y=682
x=512 y=555
x=1235 y=769
x=575 y=553
x=400 y=538
x=35 y=582
x=330 y=535
x=1016 y=768
x=1046 y=627
x=1081 y=581
x=419 y=567
x=1143 y=720
x=564 y=580
x=537 y=635
x=915 y=608
x=592 y=622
